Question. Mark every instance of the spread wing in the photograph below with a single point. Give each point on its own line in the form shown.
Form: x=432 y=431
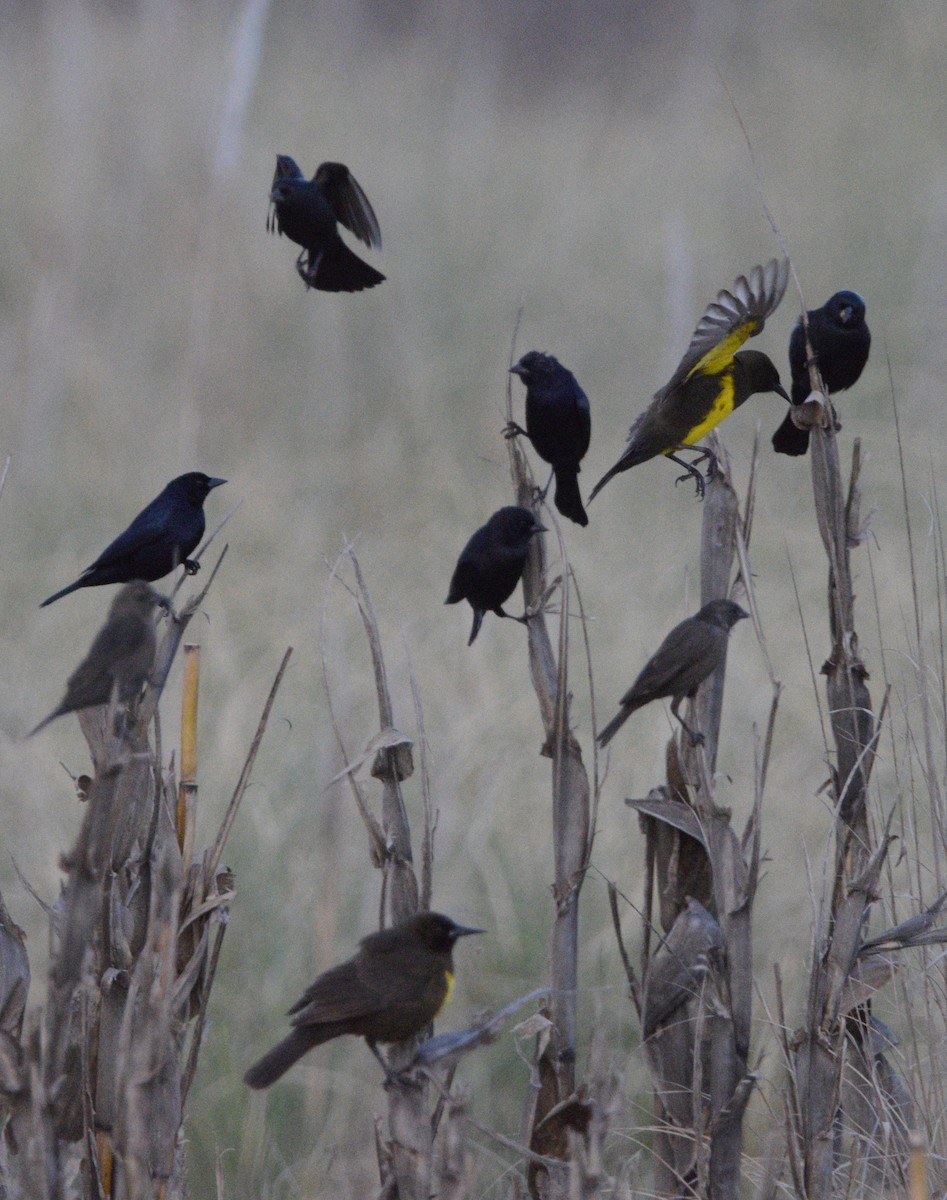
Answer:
x=348 y=202
x=732 y=318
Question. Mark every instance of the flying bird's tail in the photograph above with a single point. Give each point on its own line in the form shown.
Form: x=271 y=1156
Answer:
x=477 y=622
x=568 y=496
x=64 y=592
x=278 y=1061
x=790 y=439
x=337 y=269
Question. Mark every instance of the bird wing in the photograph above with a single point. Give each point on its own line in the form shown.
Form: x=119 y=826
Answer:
x=151 y=525
x=675 y=667
x=355 y=989
x=348 y=202
x=727 y=323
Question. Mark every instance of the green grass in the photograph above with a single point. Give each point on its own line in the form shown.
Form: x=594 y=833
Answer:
x=589 y=163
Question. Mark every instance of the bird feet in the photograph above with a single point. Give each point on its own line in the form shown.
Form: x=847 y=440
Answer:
x=512 y=430
x=191 y=567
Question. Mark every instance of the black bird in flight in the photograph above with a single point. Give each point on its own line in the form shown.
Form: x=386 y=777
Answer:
x=159 y=539
x=840 y=342
x=688 y=655
x=396 y=984
x=490 y=565
x=308 y=211
x=712 y=379
x=558 y=423
x=120 y=658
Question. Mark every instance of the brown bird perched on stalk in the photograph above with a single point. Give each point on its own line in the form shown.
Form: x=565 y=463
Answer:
x=396 y=984
x=120 y=658
x=712 y=379
x=688 y=655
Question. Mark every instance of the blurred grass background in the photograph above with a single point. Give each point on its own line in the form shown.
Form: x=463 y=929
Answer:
x=583 y=157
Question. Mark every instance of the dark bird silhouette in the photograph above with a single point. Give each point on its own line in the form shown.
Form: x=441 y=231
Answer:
x=308 y=211
x=120 y=658
x=490 y=565
x=397 y=983
x=712 y=379
x=558 y=423
x=690 y=652
x=159 y=539
x=840 y=342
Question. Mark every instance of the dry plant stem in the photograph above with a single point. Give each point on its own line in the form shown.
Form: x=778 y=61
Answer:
x=571 y=815
x=700 y=1056
x=818 y=1063
x=187 y=785
x=136 y=938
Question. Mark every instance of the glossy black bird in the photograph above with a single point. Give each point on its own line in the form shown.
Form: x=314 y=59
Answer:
x=490 y=565
x=558 y=423
x=397 y=983
x=120 y=658
x=308 y=212
x=159 y=539
x=690 y=652
x=712 y=379
x=840 y=341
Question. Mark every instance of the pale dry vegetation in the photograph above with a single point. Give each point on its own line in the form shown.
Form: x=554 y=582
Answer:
x=592 y=165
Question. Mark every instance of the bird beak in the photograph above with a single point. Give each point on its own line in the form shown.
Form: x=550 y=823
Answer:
x=460 y=931
x=517 y=370
x=212 y=482
x=537 y=528
x=781 y=391
x=743 y=612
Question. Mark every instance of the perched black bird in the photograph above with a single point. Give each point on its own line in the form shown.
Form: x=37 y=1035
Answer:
x=491 y=563
x=159 y=539
x=558 y=423
x=712 y=379
x=690 y=652
x=397 y=983
x=840 y=342
x=308 y=212
x=120 y=658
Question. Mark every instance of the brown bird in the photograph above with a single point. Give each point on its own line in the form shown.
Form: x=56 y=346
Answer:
x=120 y=658
x=712 y=379
x=690 y=652
x=397 y=983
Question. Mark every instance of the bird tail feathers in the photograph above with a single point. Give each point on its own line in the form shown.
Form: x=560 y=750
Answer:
x=339 y=270
x=277 y=1062
x=568 y=496
x=790 y=439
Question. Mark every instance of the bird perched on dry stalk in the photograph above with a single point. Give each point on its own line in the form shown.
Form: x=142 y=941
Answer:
x=559 y=425
x=840 y=341
x=712 y=379
x=492 y=562
x=688 y=655
x=159 y=539
x=396 y=984
x=121 y=657
x=309 y=211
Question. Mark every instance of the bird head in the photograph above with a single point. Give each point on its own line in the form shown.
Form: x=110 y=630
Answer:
x=722 y=613
x=515 y=526
x=439 y=933
x=846 y=309
x=534 y=365
x=195 y=485
x=760 y=373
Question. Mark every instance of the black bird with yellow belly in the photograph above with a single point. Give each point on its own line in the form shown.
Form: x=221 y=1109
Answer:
x=712 y=378
x=840 y=341
x=396 y=984
x=558 y=423
x=309 y=212
x=689 y=654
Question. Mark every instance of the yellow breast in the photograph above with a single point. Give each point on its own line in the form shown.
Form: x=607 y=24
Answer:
x=449 y=990
x=721 y=407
